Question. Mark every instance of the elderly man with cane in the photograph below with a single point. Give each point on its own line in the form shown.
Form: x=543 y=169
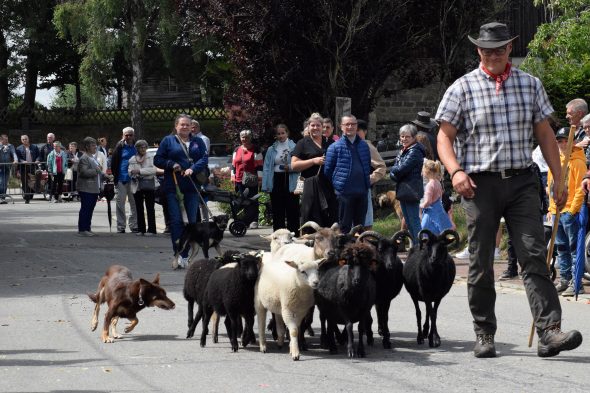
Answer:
x=488 y=118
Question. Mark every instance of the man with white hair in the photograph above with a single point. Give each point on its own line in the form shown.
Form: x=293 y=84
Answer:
x=196 y=131
x=43 y=155
x=575 y=110
x=124 y=150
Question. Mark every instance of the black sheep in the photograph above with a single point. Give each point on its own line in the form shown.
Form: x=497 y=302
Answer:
x=195 y=282
x=346 y=293
x=389 y=278
x=231 y=292
x=429 y=273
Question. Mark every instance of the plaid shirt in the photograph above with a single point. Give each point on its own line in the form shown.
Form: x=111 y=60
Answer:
x=494 y=131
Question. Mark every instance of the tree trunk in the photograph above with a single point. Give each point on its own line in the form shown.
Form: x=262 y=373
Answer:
x=137 y=47
x=4 y=56
x=31 y=81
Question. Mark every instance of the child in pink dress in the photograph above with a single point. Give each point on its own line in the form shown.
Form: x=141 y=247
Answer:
x=434 y=216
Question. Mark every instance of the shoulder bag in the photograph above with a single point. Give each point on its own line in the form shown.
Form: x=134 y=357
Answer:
x=301 y=183
x=248 y=179
x=409 y=190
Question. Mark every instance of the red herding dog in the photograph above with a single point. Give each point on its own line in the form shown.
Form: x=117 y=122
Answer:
x=125 y=298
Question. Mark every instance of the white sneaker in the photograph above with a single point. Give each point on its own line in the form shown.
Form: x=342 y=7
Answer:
x=497 y=253
x=463 y=254
x=253 y=225
x=182 y=262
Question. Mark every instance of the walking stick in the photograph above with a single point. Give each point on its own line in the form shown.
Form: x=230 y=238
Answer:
x=560 y=187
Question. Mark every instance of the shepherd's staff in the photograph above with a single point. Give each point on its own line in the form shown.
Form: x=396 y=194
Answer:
x=560 y=187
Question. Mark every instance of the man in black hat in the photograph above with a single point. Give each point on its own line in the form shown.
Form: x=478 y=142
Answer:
x=488 y=118
x=427 y=126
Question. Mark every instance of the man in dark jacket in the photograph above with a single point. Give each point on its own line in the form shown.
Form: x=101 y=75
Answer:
x=347 y=164
x=124 y=150
x=28 y=155
x=43 y=154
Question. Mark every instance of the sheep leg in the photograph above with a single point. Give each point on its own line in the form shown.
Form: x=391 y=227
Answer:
x=272 y=326
x=426 y=327
x=434 y=338
x=194 y=322
x=280 y=330
x=234 y=328
x=215 y=332
x=191 y=304
x=218 y=249
x=308 y=321
x=206 y=317
x=323 y=337
x=368 y=329
x=362 y=328
x=248 y=334
x=293 y=326
x=301 y=337
x=332 y=327
x=382 y=319
x=420 y=337
x=350 y=345
x=341 y=336
x=261 y=314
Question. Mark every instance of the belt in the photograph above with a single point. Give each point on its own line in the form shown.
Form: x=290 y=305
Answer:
x=507 y=173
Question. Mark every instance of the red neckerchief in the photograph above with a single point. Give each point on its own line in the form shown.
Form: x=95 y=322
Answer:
x=498 y=78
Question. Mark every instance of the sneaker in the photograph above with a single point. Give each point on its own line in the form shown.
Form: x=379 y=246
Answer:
x=570 y=292
x=253 y=225
x=484 y=346
x=85 y=234
x=562 y=285
x=182 y=262
x=497 y=254
x=464 y=254
x=553 y=341
x=508 y=274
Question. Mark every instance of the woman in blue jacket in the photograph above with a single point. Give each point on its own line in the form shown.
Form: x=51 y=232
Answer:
x=181 y=157
x=407 y=173
x=280 y=180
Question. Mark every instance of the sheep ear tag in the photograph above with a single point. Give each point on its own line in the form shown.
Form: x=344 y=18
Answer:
x=342 y=262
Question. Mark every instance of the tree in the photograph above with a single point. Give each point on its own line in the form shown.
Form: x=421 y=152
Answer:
x=71 y=96
x=106 y=29
x=559 y=54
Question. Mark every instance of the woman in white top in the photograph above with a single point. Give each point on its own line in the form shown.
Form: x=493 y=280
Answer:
x=143 y=185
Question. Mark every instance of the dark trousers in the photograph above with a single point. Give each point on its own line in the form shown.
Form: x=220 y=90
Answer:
x=147 y=197
x=25 y=170
x=87 y=205
x=352 y=210
x=250 y=211
x=517 y=200
x=512 y=259
x=285 y=204
x=57 y=184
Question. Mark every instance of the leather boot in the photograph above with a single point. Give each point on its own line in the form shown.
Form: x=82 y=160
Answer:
x=484 y=346
x=553 y=341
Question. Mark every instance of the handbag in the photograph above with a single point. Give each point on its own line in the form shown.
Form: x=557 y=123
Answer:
x=69 y=175
x=146 y=184
x=301 y=183
x=248 y=179
x=410 y=190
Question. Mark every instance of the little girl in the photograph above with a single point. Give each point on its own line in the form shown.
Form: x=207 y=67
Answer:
x=434 y=216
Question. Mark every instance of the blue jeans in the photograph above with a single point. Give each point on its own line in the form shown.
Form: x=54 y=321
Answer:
x=565 y=242
x=411 y=211
x=87 y=205
x=4 y=175
x=191 y=205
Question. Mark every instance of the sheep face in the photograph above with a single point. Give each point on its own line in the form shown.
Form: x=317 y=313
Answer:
x=437 y=246
x=307 y=271
x=249 y=266
x=279 y=238
x=360 y=258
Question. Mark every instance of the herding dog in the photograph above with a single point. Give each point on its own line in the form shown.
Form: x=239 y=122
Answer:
x=202 y=235
x=125 y=298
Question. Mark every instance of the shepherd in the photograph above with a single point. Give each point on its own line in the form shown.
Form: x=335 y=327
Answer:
x=488 y=118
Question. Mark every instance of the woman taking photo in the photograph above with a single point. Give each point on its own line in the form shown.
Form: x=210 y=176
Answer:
x=181 y=157
x=246 y=171
x=88 y=185
x=407 y=173
x=318 y=201
x=143 y=174
x=280 y=180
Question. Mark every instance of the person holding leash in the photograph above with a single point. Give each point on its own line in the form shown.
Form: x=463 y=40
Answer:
x=488 y=118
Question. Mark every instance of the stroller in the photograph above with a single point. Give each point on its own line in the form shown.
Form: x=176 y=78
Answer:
x=237 y=203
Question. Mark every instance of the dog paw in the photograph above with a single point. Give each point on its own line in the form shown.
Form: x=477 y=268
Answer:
x=108 y=340
x=93 y=326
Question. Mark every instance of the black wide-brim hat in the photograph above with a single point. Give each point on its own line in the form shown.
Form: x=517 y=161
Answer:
x=493 y=35
x=423 y=120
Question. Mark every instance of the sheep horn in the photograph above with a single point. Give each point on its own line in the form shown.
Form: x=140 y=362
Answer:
x=335 y=227
x=399 y=237
x=356 y=230
x=449 y=236
x=373 y=234
x=311 y=224
x=424 y=239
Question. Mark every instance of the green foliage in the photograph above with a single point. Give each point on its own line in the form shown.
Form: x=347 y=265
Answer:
x=560 y=55
x=66 y=98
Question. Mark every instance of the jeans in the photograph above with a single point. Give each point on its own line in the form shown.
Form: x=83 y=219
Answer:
x=565 y=242
x=4 y=176
x=352 y=210
x=191 y=205
x=87 y=205
x=369 y=215
x=411 y=212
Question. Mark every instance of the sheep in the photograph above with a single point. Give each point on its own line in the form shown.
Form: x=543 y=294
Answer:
x=195 y=282
x=388 y=278
x=429 y=273
x=346 y=293
x=231 y=292
x=279 y=238
x=285 y=288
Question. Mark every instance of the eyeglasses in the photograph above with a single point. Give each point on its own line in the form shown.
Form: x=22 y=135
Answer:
x=497 y=51
x=349 y=124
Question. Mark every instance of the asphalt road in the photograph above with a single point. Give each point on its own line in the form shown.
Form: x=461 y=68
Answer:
x=46 y=344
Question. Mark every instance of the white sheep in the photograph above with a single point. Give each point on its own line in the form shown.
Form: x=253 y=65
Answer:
x=285 y=289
